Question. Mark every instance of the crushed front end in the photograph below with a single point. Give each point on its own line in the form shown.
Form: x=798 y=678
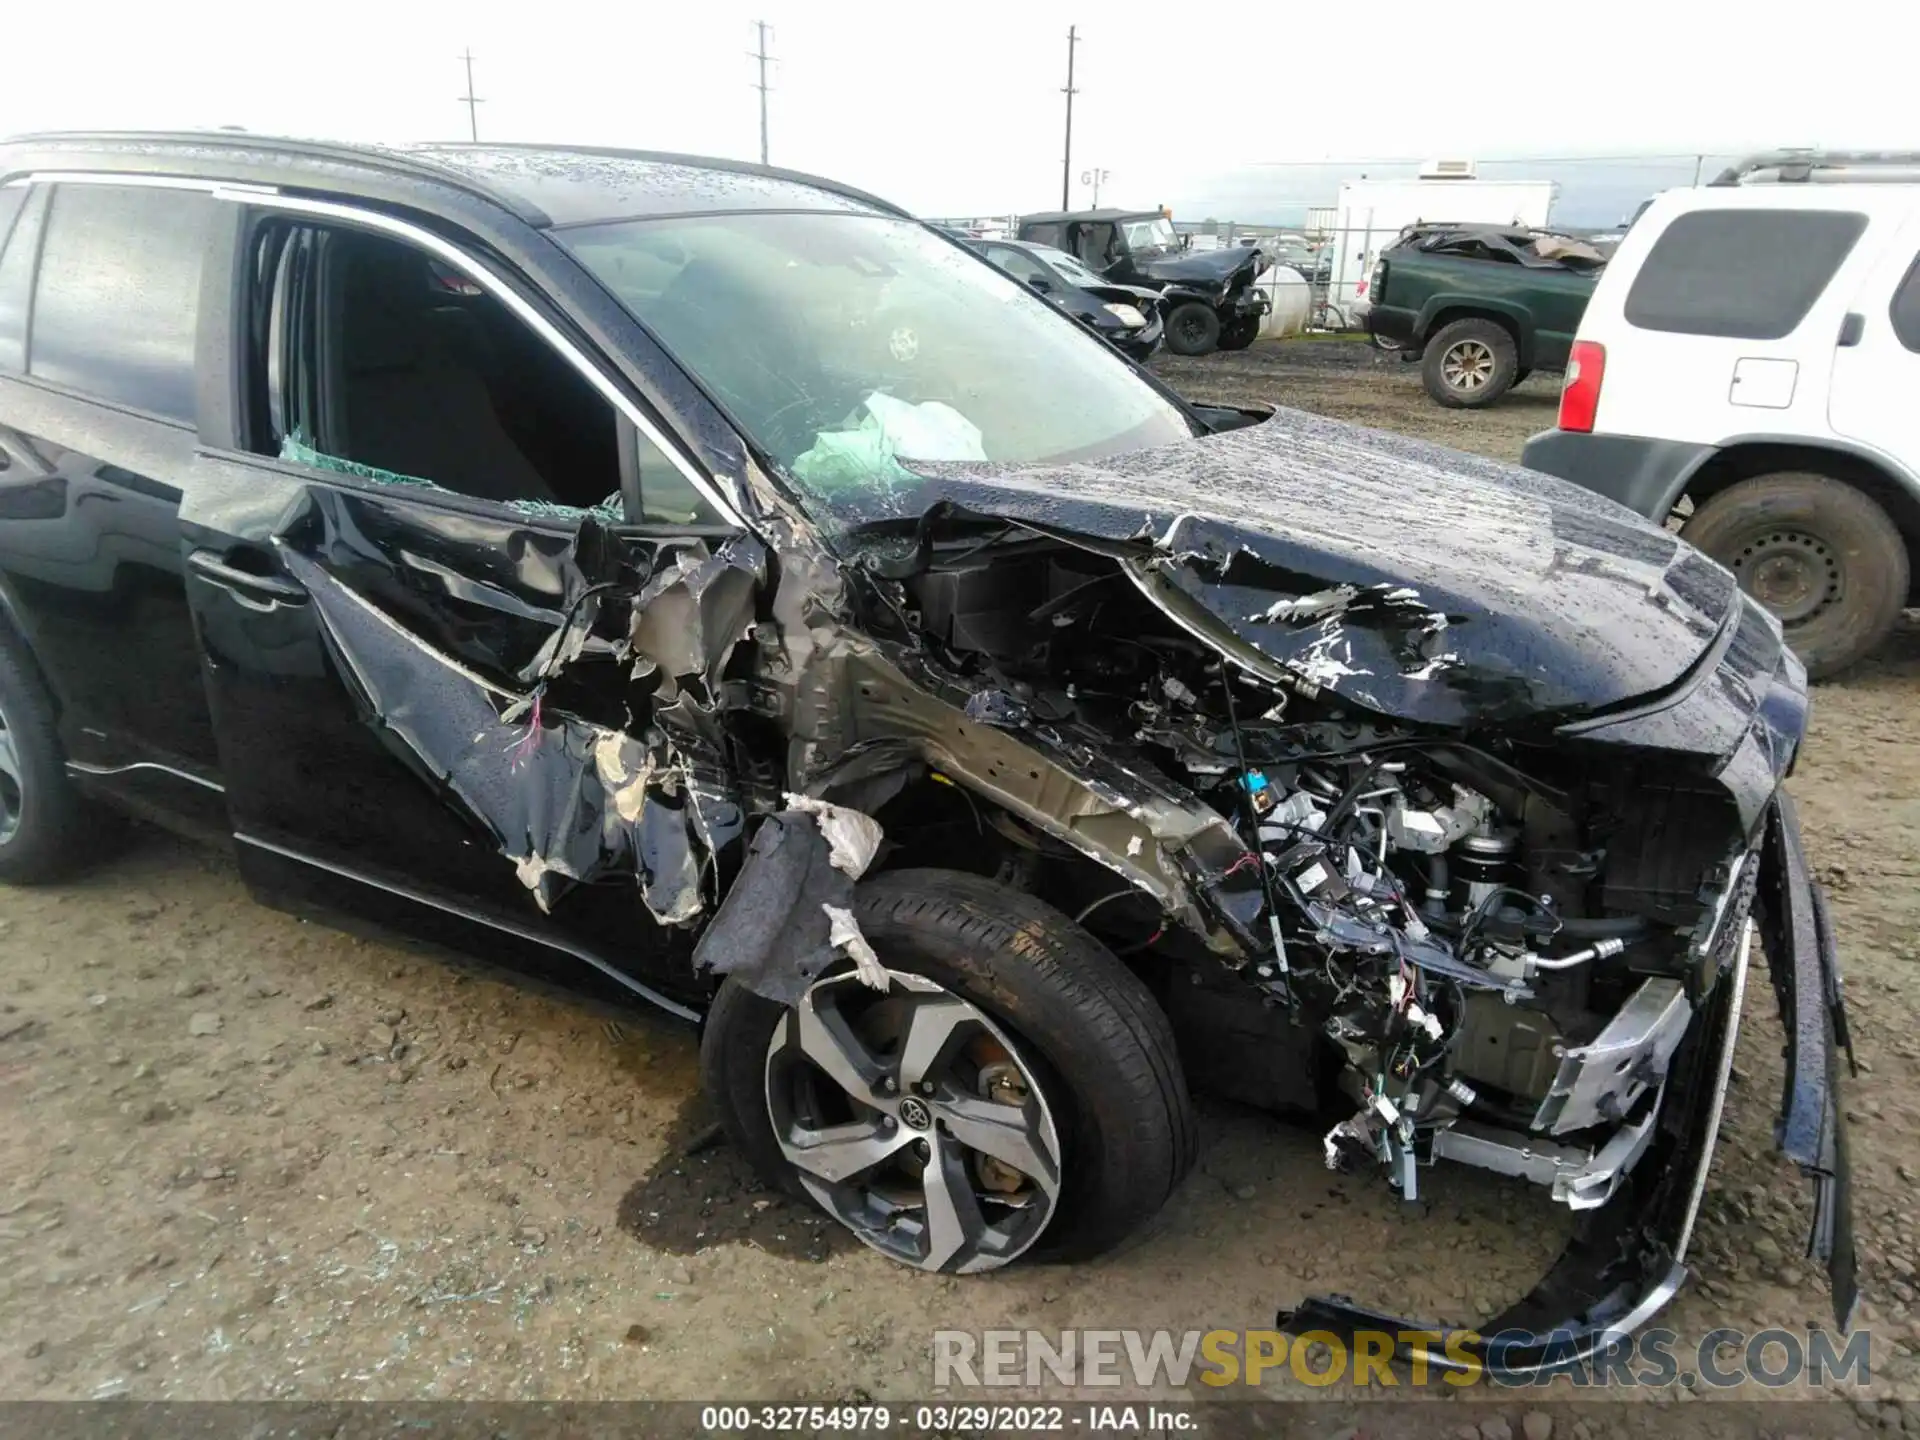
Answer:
x=1437 y=865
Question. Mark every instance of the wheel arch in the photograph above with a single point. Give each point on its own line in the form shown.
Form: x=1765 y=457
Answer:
x=14 y=633
x=1443 y=310
x=1893 y=488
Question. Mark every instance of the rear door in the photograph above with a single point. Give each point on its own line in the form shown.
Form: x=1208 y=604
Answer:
x=1722 y=321
x=100 y=299
x=415 y=574
x=1876 y=371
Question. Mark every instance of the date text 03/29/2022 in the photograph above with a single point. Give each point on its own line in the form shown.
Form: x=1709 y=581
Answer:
x=946 y=1419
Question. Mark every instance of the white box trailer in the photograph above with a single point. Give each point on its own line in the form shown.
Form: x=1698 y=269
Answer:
x=1372 y=213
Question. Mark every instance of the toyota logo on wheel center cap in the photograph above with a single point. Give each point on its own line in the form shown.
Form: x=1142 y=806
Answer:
x=915 y=1114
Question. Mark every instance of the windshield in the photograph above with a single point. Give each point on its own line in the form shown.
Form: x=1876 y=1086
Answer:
x=1068 y=266
x=846 y=344
x=1154 y=234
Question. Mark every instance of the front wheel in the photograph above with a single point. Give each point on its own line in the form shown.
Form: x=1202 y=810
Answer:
x=1193 y=329
x=1014 y=1091
x=1470 y=363
x=1819 y=554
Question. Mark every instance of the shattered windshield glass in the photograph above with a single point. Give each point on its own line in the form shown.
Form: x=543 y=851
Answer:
x=846 y=345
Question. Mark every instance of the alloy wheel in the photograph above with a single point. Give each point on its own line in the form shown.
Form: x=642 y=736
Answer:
x=915 y=1122
x=11 y=784
x=1467 y=366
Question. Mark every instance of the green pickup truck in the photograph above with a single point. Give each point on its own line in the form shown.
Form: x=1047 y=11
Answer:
x=1480 y=307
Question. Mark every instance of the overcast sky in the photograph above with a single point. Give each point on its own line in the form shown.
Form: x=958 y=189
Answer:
x=955 y=109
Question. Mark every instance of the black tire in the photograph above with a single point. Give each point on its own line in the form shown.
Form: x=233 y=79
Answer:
x=1522 y=373
x=44 y=822
x=1193 y=329
x=1119 y=1096
x=1818 y=553
x=1240 y=334
x=1478 y=348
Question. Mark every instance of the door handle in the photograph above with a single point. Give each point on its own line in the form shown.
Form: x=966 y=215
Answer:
x=244 y=585
x=1851 y=329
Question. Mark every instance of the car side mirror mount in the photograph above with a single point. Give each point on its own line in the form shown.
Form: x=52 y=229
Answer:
x=1038 y=284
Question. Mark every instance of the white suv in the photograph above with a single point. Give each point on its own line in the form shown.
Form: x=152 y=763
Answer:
x=1750 y=363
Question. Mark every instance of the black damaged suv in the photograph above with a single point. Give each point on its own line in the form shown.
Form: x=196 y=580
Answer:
x=709 y=582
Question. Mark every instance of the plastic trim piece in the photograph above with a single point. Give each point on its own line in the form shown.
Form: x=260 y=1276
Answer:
x=81 y=767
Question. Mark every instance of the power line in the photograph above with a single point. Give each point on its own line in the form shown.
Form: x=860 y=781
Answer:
x=1066 y=159
x=471 y=100
x=762 y=56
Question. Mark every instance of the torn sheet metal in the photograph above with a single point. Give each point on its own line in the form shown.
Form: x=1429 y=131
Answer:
x=688 y=617
x=566 y=800
x=1065 y=782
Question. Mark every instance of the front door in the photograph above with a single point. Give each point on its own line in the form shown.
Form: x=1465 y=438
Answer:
x=415 y=596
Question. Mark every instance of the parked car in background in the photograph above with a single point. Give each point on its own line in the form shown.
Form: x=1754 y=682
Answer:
x=1750 y=366
x=1208 y=298
x=1127 y=315
x=1297 y=255
x=1480 y=307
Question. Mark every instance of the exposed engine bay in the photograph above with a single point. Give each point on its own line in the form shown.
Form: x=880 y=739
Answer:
x=1480 y=950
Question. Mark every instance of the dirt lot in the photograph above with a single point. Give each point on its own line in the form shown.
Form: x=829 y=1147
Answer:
x=253 y=1157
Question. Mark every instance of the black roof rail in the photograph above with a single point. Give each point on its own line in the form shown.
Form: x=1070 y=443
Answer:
x=421 y=160
x=667 y=157
x=156 y=146
x=1798 y=166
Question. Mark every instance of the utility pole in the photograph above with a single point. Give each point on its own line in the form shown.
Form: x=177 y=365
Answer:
x=1066 y=160
x=471 y=100
x=762 y=56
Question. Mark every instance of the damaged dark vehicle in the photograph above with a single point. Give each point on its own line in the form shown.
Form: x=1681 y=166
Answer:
x=1208 y=297
x=706 y=582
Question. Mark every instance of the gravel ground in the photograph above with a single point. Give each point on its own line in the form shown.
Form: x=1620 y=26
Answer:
x=253 y=1157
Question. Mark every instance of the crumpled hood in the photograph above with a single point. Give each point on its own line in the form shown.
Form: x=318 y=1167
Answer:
x=1200 y=267
x=1411 y=579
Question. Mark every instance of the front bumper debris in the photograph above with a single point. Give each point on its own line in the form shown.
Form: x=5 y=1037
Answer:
x=1804 y=963
x=1141 y=341
x=1627 y=1257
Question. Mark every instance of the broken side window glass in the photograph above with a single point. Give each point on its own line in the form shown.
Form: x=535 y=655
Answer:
x=298 y=451
x=381 y=362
